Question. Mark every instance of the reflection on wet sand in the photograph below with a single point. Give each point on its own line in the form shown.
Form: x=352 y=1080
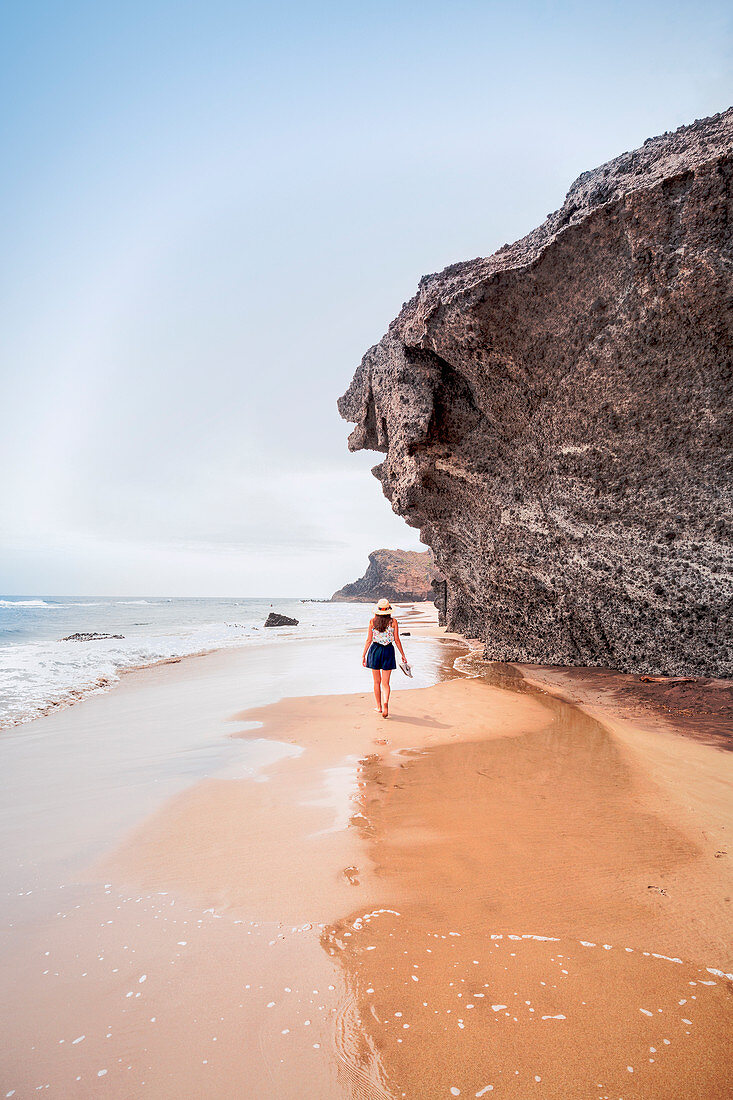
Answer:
x=528 y=917
x=529 y=953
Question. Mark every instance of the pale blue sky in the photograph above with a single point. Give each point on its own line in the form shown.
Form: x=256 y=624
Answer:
x=209 y=211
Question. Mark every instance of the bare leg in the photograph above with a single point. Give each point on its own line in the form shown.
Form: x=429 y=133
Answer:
x=377 y=688
x=386 y=673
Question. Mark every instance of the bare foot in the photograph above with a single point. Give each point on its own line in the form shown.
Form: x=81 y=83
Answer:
x=385 y=713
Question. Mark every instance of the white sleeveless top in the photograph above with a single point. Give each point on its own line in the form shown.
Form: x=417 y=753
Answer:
x=383 y=637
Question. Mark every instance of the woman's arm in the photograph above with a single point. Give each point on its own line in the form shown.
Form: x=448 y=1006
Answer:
x=368 y=642
x=398 y=642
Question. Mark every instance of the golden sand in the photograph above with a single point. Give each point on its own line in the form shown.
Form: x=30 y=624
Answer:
x=494 y=893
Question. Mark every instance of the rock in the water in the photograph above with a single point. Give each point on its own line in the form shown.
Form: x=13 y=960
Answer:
x=556 y=420
x=274 y=619
x=393 y=575
x=93 y=637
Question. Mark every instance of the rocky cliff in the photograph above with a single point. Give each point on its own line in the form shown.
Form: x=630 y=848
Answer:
x=556 y=420
x=393 y=575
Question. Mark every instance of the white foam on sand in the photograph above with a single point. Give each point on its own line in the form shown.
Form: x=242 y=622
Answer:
x=37 y=676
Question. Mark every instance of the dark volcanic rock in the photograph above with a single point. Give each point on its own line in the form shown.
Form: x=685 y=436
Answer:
x=274 y=619
x=556 y=420
x=93 y=637
x=393 y=575
x=440 y=599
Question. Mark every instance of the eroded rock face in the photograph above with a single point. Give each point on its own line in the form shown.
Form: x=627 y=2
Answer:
x=393 y=575
x=556 y=420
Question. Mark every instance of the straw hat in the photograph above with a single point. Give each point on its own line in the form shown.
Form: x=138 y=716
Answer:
x=383 y=608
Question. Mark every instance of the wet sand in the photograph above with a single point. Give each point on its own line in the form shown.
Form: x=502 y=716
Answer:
x=699 y=709
x=493 y=893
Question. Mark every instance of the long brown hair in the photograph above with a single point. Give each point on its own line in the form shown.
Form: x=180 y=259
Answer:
x=381 y=622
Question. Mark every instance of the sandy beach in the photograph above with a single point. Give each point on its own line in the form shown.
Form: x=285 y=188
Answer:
x=517 y=886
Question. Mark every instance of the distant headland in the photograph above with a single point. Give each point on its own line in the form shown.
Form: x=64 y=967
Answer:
x=394 y=575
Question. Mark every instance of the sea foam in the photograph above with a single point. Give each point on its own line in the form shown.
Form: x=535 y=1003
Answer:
x=39 y=671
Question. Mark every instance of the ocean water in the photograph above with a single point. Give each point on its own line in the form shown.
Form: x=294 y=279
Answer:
x=40 y=671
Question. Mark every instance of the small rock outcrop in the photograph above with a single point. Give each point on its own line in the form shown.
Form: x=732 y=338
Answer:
x=275 y=619
x=93 y=637
x=393 y=575
x=556 y=419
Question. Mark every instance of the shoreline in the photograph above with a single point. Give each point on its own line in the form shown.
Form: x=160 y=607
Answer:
x=173 y=725
x=106 y=683
x=79 y=695
x=530 y=884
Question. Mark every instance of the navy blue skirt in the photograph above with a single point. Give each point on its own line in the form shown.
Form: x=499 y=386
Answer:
x=381 y=656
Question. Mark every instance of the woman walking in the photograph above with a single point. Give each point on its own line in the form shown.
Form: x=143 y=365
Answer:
x=382 y=637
